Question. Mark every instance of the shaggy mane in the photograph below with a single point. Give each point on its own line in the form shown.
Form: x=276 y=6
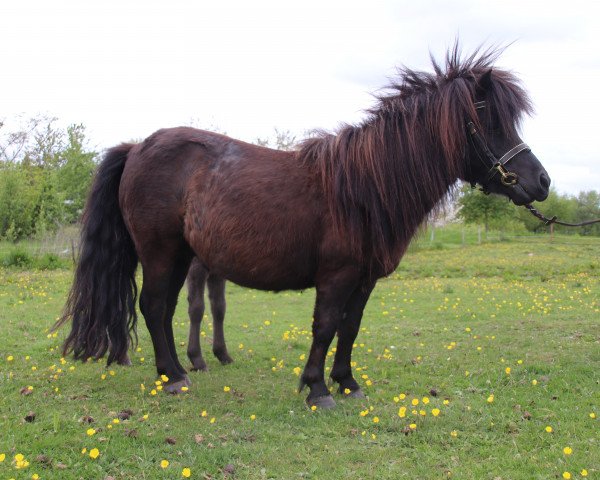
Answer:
x=383 y=177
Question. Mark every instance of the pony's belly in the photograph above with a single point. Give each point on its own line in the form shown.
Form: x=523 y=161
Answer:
x=265 y=272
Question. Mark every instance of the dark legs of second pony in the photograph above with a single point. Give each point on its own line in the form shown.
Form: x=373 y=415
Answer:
x=198 y=277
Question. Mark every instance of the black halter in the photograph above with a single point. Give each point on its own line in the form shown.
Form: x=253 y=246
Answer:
x=509 y=179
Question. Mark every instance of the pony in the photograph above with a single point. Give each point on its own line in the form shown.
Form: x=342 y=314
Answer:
x=336 y=214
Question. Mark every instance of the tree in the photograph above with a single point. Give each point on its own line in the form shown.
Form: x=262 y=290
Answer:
x=76 y=171
x=563 y=206
x=281 y=140
x=479 y=208
x=45 y=173
x=588 y=208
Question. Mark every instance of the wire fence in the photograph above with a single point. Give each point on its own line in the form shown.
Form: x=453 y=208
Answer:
x=64 y=242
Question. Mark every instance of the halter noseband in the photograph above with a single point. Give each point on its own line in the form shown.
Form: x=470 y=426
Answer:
x=509 y=179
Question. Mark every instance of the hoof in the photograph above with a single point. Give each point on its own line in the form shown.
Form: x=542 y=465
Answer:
x=198 y=365
x=355 y=394
x=177 y=387
x=125 y=362
x=201 y=368
x=226 y=360
x=324 y=402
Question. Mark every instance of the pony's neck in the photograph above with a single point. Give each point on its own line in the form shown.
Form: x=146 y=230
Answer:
x=381 y=179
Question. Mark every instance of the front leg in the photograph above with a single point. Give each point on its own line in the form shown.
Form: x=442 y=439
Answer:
x=332 y=294
x=347 y=332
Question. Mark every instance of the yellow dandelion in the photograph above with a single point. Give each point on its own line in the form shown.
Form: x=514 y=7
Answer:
x=415 y=402
x=566 y=475
x=297 y=370
x=425 y=400
x=35 y=476
x=454 y=433
x=422 y=413
x=83 y=451
x=164 y=378
x=204 y=413
x=226 y=388
x=549 y=429
x=184 y=389
x=153 y=391
x=446 y=402
x=567 y=450
x=368 y=383
x=584 y=473
x=402 y=396
x=90 y=431
x=375 y=419
x=592 y=415
x=402 y=412
x=186 y=472
x=435 y=412
x=94 y=453
x=116 y=420
x=10 y=358
x=252 y=417
x=164 y=463
x=213 y=420
x=2 y=457
x=490 y=399
x=534 y=382
x=313 y=408
x=413 y=426
x=507 y=370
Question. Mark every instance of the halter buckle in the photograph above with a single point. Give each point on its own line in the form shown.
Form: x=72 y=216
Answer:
x=507 y=178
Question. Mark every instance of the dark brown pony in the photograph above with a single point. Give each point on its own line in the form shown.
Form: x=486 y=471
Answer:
x=337 y=214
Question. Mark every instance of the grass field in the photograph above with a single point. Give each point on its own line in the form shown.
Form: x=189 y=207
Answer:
x=480 y=362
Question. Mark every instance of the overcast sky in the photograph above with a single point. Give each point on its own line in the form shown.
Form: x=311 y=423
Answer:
x=126 y=68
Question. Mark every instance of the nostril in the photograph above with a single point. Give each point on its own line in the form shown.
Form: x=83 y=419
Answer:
x=545 y=181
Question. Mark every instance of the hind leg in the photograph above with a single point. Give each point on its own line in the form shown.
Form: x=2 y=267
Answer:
x=178 y=275
x=347 y=332
x=216 y=295
x=196 y=281
x=163 y=276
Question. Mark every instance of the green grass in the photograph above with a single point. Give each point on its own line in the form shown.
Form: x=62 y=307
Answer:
x=450 y=320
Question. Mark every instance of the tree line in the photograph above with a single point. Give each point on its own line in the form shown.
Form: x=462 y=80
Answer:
x=46 y=172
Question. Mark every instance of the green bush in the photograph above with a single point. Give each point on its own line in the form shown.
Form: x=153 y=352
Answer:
x=50 y=261
x=18 y=258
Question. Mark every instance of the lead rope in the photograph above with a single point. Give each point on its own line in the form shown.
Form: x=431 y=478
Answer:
x=549 y=221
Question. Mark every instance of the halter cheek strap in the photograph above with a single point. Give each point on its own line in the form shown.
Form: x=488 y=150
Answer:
x=508 y=178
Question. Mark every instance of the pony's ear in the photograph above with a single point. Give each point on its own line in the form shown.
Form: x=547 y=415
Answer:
x=485 y=81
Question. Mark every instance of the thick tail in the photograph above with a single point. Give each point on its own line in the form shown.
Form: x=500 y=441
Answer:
x=101 y=303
